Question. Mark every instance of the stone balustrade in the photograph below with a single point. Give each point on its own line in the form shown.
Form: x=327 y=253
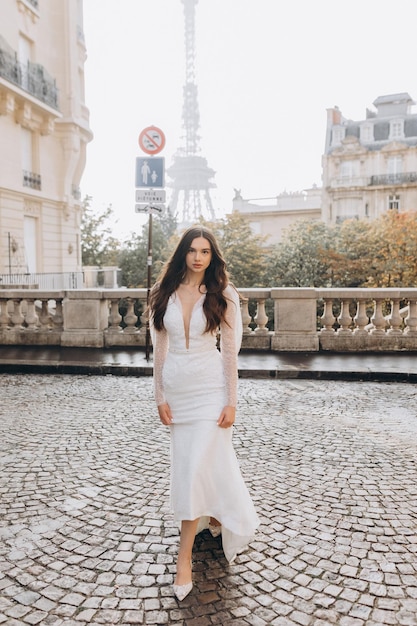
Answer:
x=285 y=319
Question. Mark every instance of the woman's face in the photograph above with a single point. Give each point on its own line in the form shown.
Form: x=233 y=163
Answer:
x=198 y=256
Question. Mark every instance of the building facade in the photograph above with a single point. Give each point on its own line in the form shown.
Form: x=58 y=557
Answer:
x=270 y=217
x=370 y=165
x=44 y=131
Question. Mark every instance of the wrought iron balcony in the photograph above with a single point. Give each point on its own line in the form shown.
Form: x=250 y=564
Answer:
x=31 y=77
x=394 y=179
x=32 y=180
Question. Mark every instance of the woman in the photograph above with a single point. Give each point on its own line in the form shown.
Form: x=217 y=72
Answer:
x=195 y=391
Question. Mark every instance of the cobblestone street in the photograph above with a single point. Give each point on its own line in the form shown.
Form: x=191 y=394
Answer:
x=86 y=535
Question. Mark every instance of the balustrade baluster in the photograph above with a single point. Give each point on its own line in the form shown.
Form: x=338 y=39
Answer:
x=58 y=318
x=114 y=318
x=31 y=319
x=4 y=316
x=143 y=317
x=130 y=318
x=361 y=318
x=378 y=319
x=328 y=319
x=17 y=317
x=261 y=318
x=246 y=318
x=395 y=318
x=411 y=319
x=344 y=319
x=44 y=317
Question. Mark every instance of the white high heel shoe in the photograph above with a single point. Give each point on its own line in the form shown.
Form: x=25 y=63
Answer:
x=182 y=591
x=215 y=530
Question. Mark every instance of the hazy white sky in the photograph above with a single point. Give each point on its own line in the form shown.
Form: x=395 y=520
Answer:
x=266 y=70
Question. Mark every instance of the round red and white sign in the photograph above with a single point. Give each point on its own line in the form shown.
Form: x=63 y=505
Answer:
x=152 y=140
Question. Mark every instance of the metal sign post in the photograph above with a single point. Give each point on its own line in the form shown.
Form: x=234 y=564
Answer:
x=150 y=174
x=148 y=291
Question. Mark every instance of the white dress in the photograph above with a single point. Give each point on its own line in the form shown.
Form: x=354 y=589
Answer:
x=198 y=382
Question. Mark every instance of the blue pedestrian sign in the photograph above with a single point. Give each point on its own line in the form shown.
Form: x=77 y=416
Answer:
x=150 y=172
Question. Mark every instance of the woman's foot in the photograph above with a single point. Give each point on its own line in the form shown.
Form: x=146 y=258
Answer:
x=215 y=527
x=182 y=591
x=183 y=580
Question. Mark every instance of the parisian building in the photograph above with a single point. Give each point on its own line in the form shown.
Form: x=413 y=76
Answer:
x=44 y=131
x=270 y=217
x=370 y=165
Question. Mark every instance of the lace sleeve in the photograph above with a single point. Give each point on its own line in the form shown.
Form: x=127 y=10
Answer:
x=160 y=344
x=230 y=341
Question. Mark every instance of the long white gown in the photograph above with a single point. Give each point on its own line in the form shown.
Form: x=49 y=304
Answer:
x=198 y=382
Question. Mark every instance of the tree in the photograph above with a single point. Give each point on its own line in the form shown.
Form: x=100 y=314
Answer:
x=133 y=258
x=350 y=259
x=242 y=249
x=395 y=245
x=98 y=246
x=301 y=259
x=356 y=253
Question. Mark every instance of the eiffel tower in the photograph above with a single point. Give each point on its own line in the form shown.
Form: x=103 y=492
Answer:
x=191 y=176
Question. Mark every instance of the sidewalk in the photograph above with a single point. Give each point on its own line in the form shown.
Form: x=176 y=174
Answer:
x=87 y=537
x=396 y=366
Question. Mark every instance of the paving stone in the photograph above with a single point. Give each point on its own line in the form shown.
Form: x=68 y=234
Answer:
x=86 y=534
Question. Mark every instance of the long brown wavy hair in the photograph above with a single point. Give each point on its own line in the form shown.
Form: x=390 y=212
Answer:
x=215 y=280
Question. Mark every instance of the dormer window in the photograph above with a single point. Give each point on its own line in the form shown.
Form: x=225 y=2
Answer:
x=338 y=133
x=396 y=129
x=367 y=133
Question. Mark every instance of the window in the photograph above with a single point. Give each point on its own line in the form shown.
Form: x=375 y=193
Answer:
x=349 y=169
x=396 y=129
x=30 y=160
x=338 y=133
x=367 y=133
x=25 y=55
x=394 y=202
x=348 y=208
x=395 y=165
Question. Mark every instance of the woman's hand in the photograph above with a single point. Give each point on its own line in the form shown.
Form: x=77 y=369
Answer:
x=227 y=417
x=165 y=414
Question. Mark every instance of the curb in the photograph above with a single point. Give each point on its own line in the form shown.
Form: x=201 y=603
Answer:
x=104 y=369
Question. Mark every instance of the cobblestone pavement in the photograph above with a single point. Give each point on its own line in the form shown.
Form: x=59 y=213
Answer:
x=86 y=536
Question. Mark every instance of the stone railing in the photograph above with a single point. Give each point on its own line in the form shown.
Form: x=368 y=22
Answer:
x=285 y=319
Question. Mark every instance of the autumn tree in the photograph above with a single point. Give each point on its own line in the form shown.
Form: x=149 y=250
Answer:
x=349 y=257
x=395 y=250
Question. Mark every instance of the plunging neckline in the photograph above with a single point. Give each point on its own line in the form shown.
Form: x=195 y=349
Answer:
x=187 y=329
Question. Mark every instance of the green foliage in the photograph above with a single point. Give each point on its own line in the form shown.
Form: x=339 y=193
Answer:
x=301 y=259
x=133 y=259
x=349 y=258
x=98 y=246
x=356 y=253
x=243 y=251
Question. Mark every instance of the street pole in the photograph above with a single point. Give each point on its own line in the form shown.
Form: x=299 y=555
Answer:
x=148 y=334
x=151 y=140
x=10 y=255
